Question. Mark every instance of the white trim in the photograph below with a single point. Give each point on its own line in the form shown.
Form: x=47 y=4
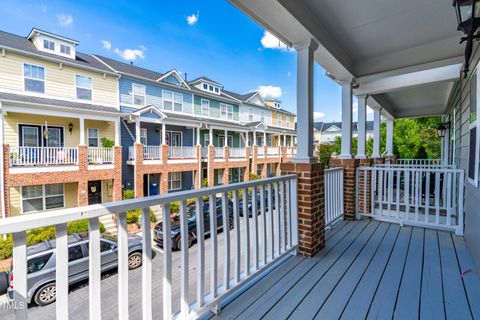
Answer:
x=169 y=182
x=101 y=167
x=43 y=197
x=44 y=78
x=57 y=113
x=144 y=89
x=476 y=125
x=98 y=137
x=42 y=169
x=176 y=75
x=76 y=87
x=201 y=107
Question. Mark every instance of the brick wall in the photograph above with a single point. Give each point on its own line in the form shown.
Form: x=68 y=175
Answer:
x=349 y=184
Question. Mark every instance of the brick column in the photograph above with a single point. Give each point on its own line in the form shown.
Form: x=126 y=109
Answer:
x=82 y=193
x=391 y=159
x=226 y=153
x=349 y=184
x=225 y=176
x=82 y=158
x=6 y=180
x=364 y=180
x=379 y=160
x=311 y=205
x=284 y=154
x=265 y=155
x=117 y=181
x=164 y=148
x=255 y=159
x=264 y=170
x=210 y=171
x=164 y=182
x=246 y=174
x=138 y=170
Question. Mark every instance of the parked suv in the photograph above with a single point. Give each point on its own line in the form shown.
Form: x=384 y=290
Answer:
x=41 y=264
x=192 y=223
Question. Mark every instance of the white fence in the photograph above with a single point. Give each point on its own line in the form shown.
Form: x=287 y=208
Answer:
x=152 y=152
x=233 y=263
x=237 y=152
x=333 y=195
x=100 y=155
x=181 y=152
x=218 y=152
x=272 y=151
x=415 y=162
x=260 y=151
x=427 y=197
x=33 y=156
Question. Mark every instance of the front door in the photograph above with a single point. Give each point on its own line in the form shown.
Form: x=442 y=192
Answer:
x=94 y=192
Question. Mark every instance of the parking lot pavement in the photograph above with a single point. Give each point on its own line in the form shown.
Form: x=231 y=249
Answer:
x=78 y=297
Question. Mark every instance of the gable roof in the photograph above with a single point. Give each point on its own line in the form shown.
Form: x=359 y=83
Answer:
x=150 y=108
x=324 y=126
x=176 y=75
x=128 y=69
x=21 y=44
x=202 y=78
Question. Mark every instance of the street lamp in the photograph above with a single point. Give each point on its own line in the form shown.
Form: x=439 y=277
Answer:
x=442 y=129
x=468 y=16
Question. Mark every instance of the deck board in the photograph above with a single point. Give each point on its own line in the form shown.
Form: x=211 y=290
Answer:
x=369 y=269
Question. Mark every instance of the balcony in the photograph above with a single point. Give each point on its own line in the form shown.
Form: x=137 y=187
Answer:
x=237 y=153
x=181 y=152
x=100 y=155
x=42 y=156
x=152 y=153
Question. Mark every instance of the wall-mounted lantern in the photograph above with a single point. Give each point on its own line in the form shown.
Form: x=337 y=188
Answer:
x=468 y=16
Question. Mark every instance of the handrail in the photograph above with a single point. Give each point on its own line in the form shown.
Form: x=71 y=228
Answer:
x=152 y=152
x=181 y=152
x=334 y=198
x=32 y=156
x=100 y=155
x=274 y=235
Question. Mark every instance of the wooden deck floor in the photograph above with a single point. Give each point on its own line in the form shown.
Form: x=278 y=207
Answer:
x=369 y=270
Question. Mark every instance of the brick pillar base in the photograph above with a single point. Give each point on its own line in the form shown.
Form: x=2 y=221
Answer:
x=246 y=174
x=379 y=160
x=311 y=205
x=391 y=159
x=364 y=181
x=225 y=176
x=138 y=170
x=264 y=170
x=210 y=170
x=82 y=193
x=117 y=181
x=164 y=182
x=349 y=184
x=254 y=159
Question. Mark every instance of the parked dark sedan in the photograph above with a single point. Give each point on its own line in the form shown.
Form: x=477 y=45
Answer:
x=192 y=224
x=250 y=203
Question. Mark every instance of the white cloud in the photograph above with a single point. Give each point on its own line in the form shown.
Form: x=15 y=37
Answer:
x=107 y=44
x=355 y=108
x=270 y=91
x=289 y=74
x=193 y=19
x=269 y=41
x=65 y=19
x=318 y=115
x=130 y=54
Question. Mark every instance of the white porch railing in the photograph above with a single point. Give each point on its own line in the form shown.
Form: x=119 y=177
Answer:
x=100 y=155
x=333 y=195
x=415 y=162
x=289 y=152
x=272 y=151
x=204 y=152
x=152 y=153
x=34 y=156
x=218 y=152
x=131 y=153
x=243 y=256
x=260 y=151
x=181 y=152
x=427 y=197
x=237 y=152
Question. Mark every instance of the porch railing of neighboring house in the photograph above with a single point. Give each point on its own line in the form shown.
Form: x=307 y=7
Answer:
x=294 y=151
x=181 y=152
x=435 y=162
x=152 y=152
x=131 y=153
x=333 y=195
x=218 y=152
x=272 y=151
x=260 y=151
x=237 y=152
x=204 y=152
x=100 y=155
x=38 y=156
x=424 y=196
x=233 y=264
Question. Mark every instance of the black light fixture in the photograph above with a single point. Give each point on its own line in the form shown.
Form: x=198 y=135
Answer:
x=157 y=129
x=70 y=127
x=442 y=129
x=468 y=16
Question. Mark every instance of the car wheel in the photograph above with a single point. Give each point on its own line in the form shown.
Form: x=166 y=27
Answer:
x=46 y=294
x=134 y=260
x=178 y=242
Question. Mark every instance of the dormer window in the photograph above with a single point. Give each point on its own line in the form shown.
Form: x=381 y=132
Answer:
x=210 y=88
x=205 y=86
x=49 y=45
x=65 y=49
x=217 y=90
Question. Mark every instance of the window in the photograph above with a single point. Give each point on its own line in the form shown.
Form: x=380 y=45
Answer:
x=226 y=111
x=84 y=87
x=172 y=101
x=174 y=180
x=42 y=197
x=210 y=88
x=262 y=116
x=206 y=139
x=205 y=107
x=279 y=120
x=219 y=177
x=93 y=140
x=65 y=49
x=49 y=45
x=474 y=143
x=288 y=121
x=143 y=136
x=105 y=246
x=250 y=114
x=75 y=253
x=38 y=263
x=205 y=86
x=138 y=94
x=217 y=90
x=34 y=77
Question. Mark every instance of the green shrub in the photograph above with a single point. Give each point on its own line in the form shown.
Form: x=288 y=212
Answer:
x=205 y=183
x=81 y=226
x=153 y=218
x=128 y=194
x=254 y=176
x=6 y=247
x=174 y=207
x=133 y=215
x=107 y=143
x=35 y=236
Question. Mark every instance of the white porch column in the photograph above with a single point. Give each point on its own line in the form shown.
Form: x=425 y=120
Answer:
x=137 y=131
x=389 y=137
x=225 y=140
x=210 y=136
x=264 y=138
x=247 y=138
x=292 y=140
x=254 y=138
x=376 y=133
x=347 y=107
x=305 y=101
x=82 y=131
x=284 y=139
x=164 y=133
x=198 y=136
x=362 y=127
x=117 y=132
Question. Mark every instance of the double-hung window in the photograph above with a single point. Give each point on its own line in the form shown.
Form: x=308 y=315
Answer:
x=172 y=101
x=262 y=116
x=279 y=120
x=250 y=114
x=174 y=180
x=84 y=87
x=93 y=137
x=226 y=111
x=288 y=122
x=34 y=78
x=65 y=49
x=143 y=136
x=49 y=45
x=205 y=107
x=42 y=197
x=474 y=143
x=139 y=95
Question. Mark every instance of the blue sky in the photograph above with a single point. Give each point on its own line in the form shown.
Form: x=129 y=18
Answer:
x=210 y=38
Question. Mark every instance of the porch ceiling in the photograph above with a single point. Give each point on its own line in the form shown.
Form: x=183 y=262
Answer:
x=408 y=44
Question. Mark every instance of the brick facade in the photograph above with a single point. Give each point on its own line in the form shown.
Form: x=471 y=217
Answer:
x=349 y=184
x=311 y=205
